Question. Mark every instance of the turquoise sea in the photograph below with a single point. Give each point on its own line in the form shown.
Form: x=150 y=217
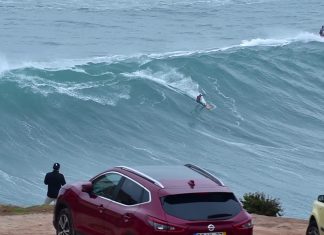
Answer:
x=99 y=83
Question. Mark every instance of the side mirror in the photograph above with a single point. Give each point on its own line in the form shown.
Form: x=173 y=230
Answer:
x=87 y=187
x=320 y=198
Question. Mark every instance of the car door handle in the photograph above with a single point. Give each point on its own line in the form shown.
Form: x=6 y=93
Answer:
x=127 y=217
x=101 y=208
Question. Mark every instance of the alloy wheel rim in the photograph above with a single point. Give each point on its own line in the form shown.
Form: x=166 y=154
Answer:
x=64 y=225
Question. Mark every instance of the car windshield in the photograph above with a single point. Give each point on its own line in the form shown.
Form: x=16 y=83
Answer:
x=201 y=206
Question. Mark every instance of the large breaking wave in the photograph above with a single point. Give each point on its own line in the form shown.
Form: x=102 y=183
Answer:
x=89 y=114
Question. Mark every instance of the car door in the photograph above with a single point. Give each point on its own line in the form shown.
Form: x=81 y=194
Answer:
x=92 y=205
x=121 y=213
x=319 y=205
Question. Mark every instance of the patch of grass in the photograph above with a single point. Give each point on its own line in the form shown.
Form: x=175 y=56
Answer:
x=17 y=210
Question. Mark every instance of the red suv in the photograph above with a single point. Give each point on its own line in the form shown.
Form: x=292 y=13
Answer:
x=151 y=200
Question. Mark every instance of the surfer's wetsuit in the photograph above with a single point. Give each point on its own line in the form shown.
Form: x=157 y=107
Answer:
x=198 y=100
x=321 y=32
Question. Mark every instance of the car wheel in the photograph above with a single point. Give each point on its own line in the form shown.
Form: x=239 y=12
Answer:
x=312 y=229
x=64 y=224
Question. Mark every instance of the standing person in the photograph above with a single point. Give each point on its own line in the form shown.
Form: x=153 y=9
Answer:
x=321 y=32
x=54 y=180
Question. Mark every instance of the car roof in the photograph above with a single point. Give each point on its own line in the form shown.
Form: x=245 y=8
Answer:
x=171 y=176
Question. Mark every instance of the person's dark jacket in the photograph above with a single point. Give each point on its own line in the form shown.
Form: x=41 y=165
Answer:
x=54 y=180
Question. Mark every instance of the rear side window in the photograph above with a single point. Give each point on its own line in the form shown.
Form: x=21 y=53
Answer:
x=131 y=193
x=201 y=206
x=106 y=185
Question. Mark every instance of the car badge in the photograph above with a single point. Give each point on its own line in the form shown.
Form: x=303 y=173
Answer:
x=211 y=227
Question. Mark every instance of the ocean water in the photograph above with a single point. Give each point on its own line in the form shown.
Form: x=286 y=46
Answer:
x=94 y=84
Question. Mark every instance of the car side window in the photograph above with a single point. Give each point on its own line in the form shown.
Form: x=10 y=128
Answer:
x=131 y=193
x=105 y=185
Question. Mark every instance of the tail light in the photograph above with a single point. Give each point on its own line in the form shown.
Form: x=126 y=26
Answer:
x=245 y=225
x=163 y=226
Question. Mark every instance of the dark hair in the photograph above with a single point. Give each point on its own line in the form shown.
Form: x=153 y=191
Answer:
x=56 y=166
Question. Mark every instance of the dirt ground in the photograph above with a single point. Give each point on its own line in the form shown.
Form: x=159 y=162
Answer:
x=41 y=224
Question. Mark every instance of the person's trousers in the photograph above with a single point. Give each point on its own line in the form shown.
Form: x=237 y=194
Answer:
x=49 y=200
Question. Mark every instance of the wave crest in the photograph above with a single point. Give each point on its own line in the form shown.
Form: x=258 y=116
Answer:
x=301 y=37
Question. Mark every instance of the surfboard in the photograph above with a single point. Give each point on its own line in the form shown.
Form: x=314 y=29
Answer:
x=210 y=106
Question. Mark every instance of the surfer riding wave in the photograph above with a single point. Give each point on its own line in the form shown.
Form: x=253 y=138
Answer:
x=321 y=32
x=200 y=100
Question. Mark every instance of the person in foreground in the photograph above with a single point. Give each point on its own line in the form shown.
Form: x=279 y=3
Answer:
x=321 y=32
x=54 y=180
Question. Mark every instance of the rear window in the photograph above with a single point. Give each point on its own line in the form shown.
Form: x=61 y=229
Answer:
x=201 y=206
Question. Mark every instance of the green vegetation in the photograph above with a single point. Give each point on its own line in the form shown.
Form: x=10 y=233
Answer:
x=17 y=210
x=259 y=203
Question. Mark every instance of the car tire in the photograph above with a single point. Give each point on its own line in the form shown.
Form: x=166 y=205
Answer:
x=312 y=229
x=64 y=224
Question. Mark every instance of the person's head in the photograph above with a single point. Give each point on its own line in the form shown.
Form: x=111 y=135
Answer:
x=322 y=26
x=56 y=166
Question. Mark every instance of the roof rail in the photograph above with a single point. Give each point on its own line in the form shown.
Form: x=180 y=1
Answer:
x=141 y=174
x=205 y=173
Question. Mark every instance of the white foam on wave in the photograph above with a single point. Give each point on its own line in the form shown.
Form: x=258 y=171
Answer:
x=75 y=64
x=230 y=102
x=170 y=78
x=140 y=59
x=149 y=152
x=66 y=64
x=301 y=37
x=19 y=184
x=7 y=177
x=76 y=90
x=4 y=66
x=304 y=37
